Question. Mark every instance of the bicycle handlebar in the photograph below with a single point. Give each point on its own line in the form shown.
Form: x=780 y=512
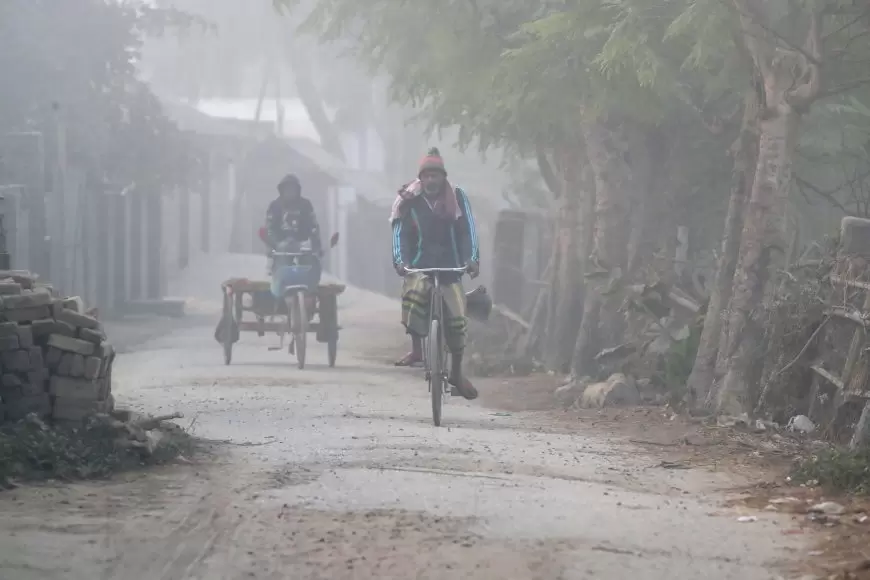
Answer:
x=294 y=254
x=434 y=270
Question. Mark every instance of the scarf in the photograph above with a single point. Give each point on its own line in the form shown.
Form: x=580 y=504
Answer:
x=446 y=204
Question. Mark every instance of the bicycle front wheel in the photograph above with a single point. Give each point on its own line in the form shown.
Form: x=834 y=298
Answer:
x=436 y=370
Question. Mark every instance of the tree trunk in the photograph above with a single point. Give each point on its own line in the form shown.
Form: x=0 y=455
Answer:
x=566 y=280
x=791 y=83
x=309 y=94
x=702 y=376
x=606 y=147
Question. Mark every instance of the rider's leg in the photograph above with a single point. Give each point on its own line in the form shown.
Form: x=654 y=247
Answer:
x=456 y=328
x=415 y=315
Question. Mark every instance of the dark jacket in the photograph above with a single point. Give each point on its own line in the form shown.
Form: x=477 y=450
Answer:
x=294 y=221
x=424 y=239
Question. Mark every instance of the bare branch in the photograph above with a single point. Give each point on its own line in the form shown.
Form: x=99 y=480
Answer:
x=806 y=93
x=834 y=91
x=546 y=169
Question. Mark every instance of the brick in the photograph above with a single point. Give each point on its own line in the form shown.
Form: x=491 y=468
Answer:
x=105 y=350
x=53 y=357
x=91 y=335
x=44 y=328
x=31 y=389
x=16 y=360
x=77 y=410
x=93 y=366
x=20 y=408
x=27 y=314
x=9 y=343
x=25 y=336
x=77 y=320
x=9 y=289
x=69 y=388
x=37 y=359
x=77 y=368
x=65 y=366
x=21 y=277
x=38 y=376
x=74 y=345
x=10 y=394
x=10 y=381
x=8 y=329
x=27 y=299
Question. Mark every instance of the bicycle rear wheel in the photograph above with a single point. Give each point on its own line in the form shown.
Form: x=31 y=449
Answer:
x=436 y=370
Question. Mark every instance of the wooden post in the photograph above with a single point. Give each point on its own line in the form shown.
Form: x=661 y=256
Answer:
x=153 y=242
x=184 y=229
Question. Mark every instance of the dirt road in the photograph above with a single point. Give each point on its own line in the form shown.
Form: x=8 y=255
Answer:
x=339 y=474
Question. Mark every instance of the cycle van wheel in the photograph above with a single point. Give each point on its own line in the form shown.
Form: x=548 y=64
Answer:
x=300 y=328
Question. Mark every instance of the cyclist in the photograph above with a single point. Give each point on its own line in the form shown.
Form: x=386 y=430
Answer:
x=291 y=222
x=433 y=227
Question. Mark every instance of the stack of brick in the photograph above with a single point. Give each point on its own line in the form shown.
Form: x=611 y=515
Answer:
x=54 y=361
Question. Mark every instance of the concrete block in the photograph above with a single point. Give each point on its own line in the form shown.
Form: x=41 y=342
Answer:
x=25 y=336
x=8 y=329
x=77 y=368
x=33 y=388
x=10 y=394
x=74 y=303
x=43 y=328
x=95 y=336
x=27 y=314
x=105 y=350
x=11 y=381
x=65 y=366
x=27 y=299
x=855 y=236
x=36 y=380
x=8 y=343
x=69 y=388
x=16 y=360
x=20 y=408
x=77 y=320
x=93 y=366
x=37 y=359
x=9 y=288
x=53 y=357
x=74 y=345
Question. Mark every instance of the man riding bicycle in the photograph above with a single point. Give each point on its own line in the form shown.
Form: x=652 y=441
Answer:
x=433 y=227
x=291 y=223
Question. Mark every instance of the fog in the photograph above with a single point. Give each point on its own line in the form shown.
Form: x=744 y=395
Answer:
x=608 y=156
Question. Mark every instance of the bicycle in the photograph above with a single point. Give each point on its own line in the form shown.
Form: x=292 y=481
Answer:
x=435 y=343
x=294 y=289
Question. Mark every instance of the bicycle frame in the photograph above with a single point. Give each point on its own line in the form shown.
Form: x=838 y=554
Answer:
x=436 y=304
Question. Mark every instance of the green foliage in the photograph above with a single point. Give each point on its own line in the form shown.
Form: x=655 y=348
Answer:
x=76 y=59
x=678 y=363
x=838 y=470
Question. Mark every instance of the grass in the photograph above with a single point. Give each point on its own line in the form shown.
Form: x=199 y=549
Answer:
x=33 y=451
x=837 y=470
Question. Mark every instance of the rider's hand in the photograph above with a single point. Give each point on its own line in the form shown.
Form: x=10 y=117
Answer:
x=400 y=269
x=473 y=269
